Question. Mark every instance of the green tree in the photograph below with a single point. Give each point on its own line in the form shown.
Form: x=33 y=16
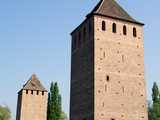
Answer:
x=154 y=109
x=5 y=113
x=63 y=116
x=155 y=93
x=54 y=103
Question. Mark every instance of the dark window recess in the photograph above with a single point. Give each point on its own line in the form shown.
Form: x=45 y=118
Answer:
x=37 y=92
x=84 y=34
x=79 y=39
x=74 y=42
x=134 y=32
x=26 y=91
x=42 y=92
x=114 y=28
x=103 y=25
x=112 y=119
x=107 y=78
x=32 y=92
x=90 y=28
x=124 y=30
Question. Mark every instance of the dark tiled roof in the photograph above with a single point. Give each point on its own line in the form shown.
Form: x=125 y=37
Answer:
x=34 y=84
x=111 y=8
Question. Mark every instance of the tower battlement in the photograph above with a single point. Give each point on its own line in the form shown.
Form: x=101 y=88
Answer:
x=32 y=101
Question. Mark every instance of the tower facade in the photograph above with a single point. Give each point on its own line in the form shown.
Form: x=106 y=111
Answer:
x=32 y=101
x=107 y=66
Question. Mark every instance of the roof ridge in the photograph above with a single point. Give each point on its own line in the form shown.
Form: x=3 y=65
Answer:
x=33 y=84
x=111 y=8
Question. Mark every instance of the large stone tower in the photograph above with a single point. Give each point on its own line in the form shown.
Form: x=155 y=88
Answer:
x=107 y=67
x=32 y=101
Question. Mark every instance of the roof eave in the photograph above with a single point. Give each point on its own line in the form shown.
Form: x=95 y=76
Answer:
x=35 y=90
x=98 y=14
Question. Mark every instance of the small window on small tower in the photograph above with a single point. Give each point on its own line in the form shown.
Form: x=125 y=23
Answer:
x=134 y=32
x=103 y=25
x=32 y=92
x=37 y=92
x=42 y=92
x=114 y=28
x=26 y=91
x=124 y=30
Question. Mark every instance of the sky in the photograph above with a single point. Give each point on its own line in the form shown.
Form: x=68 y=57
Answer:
x=35 y=38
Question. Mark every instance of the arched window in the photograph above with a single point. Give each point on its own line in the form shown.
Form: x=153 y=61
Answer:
x=134 y=32
x=103 y=25
x=114 y=28
x=124 y=30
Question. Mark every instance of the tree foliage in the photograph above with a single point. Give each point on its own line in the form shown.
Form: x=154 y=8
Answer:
x=5 y=113
x=154 y=108
x=54 y=103
x=63 y=116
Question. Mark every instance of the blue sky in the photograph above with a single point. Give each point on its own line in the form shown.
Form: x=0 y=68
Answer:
x=34 y=38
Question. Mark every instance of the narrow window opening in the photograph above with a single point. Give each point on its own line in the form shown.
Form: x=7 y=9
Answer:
x=107 y=78
x=112 y=119
x=26 y=91
x=74 y=42
x=37 y=92
x=84 y=34
x=79 y=39
x=32 y=92
x=103 y=25
x=134 y=32
x=90 y=28
x=42 y=92
x=124 y=30
x=114 y=28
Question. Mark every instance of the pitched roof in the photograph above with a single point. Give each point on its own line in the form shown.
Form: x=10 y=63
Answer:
x=33 y=84
x=111 y=8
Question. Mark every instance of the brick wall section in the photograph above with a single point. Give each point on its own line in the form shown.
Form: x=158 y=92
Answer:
x=82 y=83
x=33 y=106
x=121 y=58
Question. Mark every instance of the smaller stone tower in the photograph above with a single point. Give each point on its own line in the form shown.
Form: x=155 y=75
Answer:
x=32 y=101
